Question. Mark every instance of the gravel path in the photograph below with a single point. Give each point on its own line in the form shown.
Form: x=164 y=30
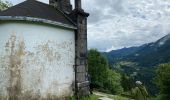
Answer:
x=103 y=96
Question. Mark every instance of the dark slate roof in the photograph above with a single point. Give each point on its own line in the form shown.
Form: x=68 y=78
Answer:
x=36 y=9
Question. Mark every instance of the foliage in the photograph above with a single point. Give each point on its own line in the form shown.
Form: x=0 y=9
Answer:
x=162 y=80
x=97 y=68
x=113 y=82
x=127 y=82
x=101 y=76
x=4 y=5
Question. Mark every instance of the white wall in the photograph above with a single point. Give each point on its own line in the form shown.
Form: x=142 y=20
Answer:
x=37 y=59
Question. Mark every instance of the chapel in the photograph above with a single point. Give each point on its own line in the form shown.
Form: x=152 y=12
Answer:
x=43 y=51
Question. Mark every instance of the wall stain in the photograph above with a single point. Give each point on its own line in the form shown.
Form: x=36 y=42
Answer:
x=18 y=62
x=16 y=51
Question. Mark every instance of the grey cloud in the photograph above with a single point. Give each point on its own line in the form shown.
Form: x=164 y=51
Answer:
x=100 y=10
x=117 y=7
x=156 y=30
x=95 y=15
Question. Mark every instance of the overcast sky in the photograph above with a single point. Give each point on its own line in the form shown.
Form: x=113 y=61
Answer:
x=115 y=24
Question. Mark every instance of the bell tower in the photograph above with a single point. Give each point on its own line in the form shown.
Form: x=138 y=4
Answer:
x=63 y=5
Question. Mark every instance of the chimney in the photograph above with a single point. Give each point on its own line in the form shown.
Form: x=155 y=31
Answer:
x=78 y=4
x=63 y=5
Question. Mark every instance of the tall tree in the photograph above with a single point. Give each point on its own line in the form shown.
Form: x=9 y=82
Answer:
x=163 y=80
x=97 y=66
x=4 y=5
x=102 y=77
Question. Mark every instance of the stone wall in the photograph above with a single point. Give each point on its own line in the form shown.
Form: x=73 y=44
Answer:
x=82 y=82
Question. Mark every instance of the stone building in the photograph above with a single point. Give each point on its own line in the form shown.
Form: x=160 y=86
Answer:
x=43 y=51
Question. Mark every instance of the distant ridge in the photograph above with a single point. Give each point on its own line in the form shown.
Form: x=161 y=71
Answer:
x=149 y=54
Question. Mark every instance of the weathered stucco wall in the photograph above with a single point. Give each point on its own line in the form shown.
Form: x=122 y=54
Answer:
x=36 y=61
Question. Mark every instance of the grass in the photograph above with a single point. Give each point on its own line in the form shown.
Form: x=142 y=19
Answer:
x=114 y=97
x=97 y=95
x=119 y=98
x=91 y=97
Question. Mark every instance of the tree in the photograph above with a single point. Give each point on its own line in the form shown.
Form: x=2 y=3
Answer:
x=97 y=66
x=113 y=82
x=101 y=76
x=4 y=5
x=163 y=80
x=127 y=82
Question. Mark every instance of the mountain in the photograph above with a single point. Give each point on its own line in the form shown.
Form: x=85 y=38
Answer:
x=140 y=62
x=120 y=53
x=147 y=55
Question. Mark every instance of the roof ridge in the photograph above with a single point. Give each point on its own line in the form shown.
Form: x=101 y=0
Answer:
x=66 y=17
x=37 y=9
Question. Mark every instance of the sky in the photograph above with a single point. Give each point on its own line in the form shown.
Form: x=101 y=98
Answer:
x=115 y=24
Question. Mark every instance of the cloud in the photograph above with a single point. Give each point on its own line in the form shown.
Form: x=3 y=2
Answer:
x=115 y=24
x=128 y=23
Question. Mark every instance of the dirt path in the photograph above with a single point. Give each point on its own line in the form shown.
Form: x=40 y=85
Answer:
x=103 y=96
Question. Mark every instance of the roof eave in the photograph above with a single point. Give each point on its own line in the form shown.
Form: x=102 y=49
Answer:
x=32 y=19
